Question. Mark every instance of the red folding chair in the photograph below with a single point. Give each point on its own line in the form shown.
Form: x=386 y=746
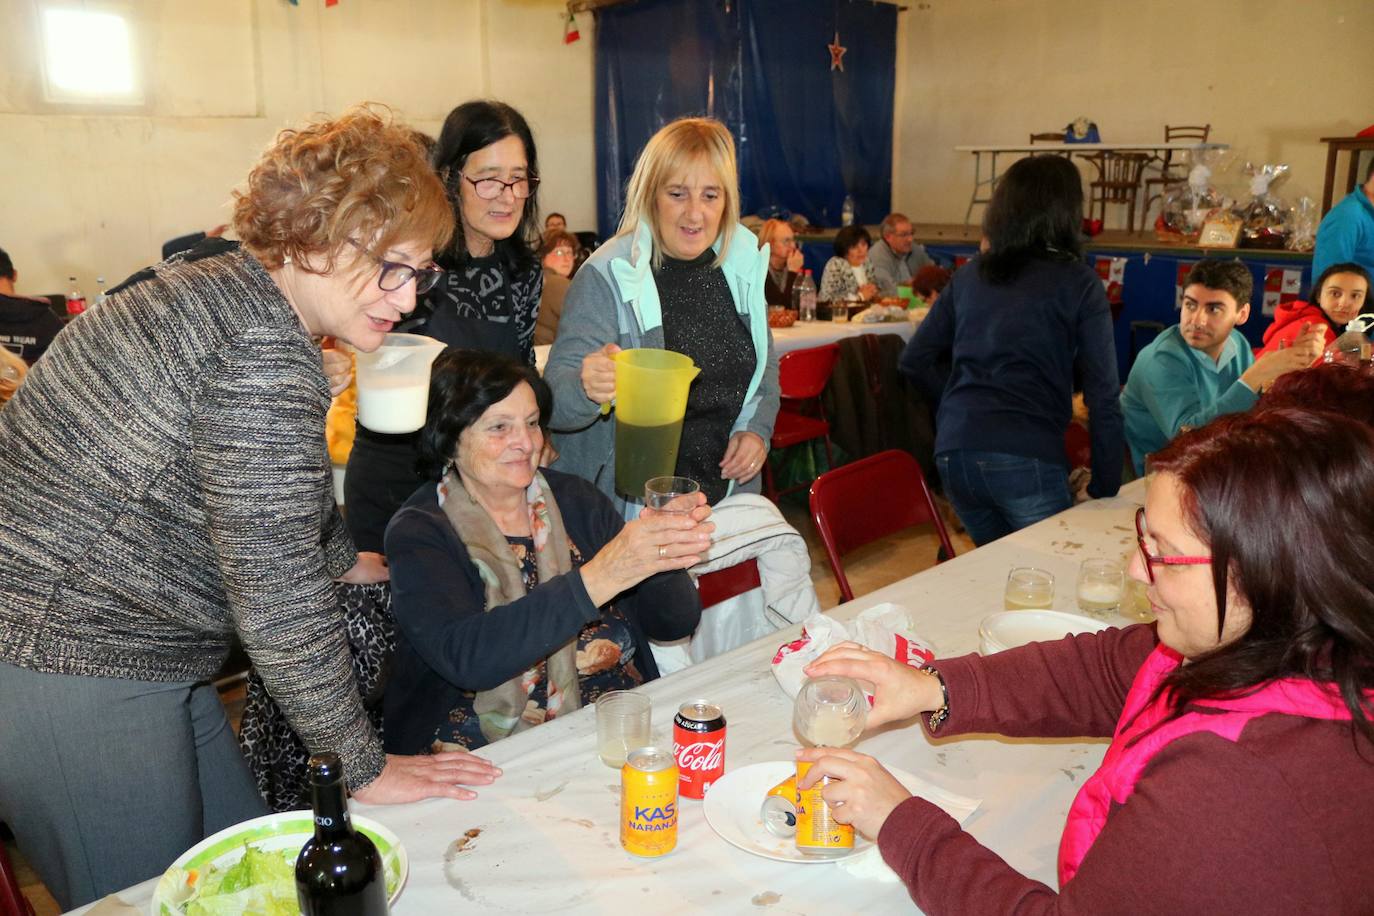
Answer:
x=12 y=900
x=1078 y=445
x=869 y=499
x=802 y=376
x=724 y=584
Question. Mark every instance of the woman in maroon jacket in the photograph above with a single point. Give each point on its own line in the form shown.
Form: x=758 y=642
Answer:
x=1240 y=778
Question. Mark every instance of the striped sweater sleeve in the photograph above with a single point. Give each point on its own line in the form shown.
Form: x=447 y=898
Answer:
x=260 y=473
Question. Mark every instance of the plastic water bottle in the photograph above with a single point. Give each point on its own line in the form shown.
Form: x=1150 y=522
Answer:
x=1354 y=346
x=100 y=295
x=76 y=299
x=804 y=297
x=847 y=214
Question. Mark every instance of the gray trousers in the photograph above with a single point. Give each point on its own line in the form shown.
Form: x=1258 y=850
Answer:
x=105 y=781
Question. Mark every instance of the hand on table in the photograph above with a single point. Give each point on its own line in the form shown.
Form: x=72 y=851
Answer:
x=338 y=368
x=865 y=793
x=369 y=569
x=1079 y=478
x=598 y=374
x=899 y=691
x=442 y=775
x=744 y=457
x=653 y=543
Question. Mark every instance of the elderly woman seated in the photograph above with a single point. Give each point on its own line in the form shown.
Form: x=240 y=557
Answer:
x=1240 y=771
x=849 y=274
x=519 y=593
x=784 y=261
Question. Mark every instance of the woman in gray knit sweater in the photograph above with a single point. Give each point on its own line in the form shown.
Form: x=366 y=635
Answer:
x=166 y=486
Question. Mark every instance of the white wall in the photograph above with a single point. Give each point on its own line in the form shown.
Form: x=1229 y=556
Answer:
x=1270 y=76
x=95 y=192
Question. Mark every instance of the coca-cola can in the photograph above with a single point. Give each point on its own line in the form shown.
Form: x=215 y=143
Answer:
x=699 y=746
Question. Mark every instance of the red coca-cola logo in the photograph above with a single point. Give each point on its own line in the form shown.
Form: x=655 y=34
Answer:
x=701 y=756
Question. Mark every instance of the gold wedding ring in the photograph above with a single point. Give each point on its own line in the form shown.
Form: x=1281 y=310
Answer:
x=662 y=551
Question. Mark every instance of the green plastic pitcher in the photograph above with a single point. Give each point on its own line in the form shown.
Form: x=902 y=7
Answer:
x=650 y=402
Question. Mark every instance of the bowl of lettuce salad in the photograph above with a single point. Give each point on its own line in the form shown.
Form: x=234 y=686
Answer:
x=251 y=868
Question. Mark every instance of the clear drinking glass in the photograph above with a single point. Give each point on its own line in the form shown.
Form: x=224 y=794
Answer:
x=622 y=724
x=1028 y=587
x=1100 y=586
x=664 y=494
x=830 y=712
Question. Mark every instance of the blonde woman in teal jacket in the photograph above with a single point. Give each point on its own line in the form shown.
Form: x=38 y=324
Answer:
x=682 y=274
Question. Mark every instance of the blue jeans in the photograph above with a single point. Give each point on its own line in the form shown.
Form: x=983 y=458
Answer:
x=106 y=781
x=995 y=494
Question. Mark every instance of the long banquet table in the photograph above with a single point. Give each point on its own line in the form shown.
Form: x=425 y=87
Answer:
x=549 y=826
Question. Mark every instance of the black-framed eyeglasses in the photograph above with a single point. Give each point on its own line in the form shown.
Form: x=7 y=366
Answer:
x=491 y=188
x=1151 y=560
x=395 y=275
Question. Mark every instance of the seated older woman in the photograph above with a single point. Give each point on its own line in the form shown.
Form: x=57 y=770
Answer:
x=1240 y=777
x=519 y=593
x=849 y=274
x=784 y=261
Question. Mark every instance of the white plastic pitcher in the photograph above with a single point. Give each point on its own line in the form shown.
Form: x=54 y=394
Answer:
x=393 y=383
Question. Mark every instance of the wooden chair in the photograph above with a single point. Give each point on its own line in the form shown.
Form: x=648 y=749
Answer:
x=802 y=376
x=1170 y=168
x=1118 y=182
x=869 y=499
x=1049 y=137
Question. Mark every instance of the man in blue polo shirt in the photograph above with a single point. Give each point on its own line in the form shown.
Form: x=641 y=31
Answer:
x=1203 y=367
x=1347 y=231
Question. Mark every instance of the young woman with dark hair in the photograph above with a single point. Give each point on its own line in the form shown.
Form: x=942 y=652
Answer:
x=487 y=299
x=1339 y=294
x=1240 y=777
x=568 y=593
x=1000 y=351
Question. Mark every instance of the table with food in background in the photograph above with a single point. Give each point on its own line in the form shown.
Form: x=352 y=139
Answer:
x=545 y=836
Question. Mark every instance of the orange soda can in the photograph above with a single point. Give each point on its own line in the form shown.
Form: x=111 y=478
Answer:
x=818 y=833
x=648 y=802
x=779 y=809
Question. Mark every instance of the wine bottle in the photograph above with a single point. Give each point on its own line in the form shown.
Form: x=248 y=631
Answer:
x=339 y=871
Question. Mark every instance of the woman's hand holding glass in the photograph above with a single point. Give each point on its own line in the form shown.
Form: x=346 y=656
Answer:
x=863 y=794
x=653 y=543
x=598 y=374
x=406 y=779
x=899 y=691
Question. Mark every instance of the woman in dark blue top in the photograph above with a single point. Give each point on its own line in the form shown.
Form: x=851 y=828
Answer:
x=520 y=594
x=1000 y=351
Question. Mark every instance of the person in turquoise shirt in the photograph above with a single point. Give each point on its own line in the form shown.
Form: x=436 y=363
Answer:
x=1347 y=230
x=1203 y=367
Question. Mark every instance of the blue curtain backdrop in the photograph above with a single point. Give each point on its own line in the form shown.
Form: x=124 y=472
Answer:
x=806 y=135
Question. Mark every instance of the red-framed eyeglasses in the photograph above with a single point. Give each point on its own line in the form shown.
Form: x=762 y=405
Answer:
x=1150 y=559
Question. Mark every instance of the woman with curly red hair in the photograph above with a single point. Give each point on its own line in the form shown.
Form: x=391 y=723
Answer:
x=167 y=488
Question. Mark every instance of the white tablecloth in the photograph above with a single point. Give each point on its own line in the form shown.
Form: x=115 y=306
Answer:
x=802 y=335
x=549 y=826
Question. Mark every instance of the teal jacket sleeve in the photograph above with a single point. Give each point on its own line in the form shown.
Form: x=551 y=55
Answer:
x=588 y=324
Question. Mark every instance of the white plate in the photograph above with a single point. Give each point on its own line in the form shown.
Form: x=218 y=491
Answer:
x=732 y=809
x=1009 y=629
x=288 y=829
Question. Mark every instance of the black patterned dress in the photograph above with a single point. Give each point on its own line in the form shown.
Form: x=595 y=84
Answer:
x=605 y=662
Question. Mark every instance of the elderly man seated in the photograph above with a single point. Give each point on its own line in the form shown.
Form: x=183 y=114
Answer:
x=895 y=258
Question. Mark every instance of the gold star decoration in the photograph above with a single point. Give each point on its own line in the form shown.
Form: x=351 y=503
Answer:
x=837 y=54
